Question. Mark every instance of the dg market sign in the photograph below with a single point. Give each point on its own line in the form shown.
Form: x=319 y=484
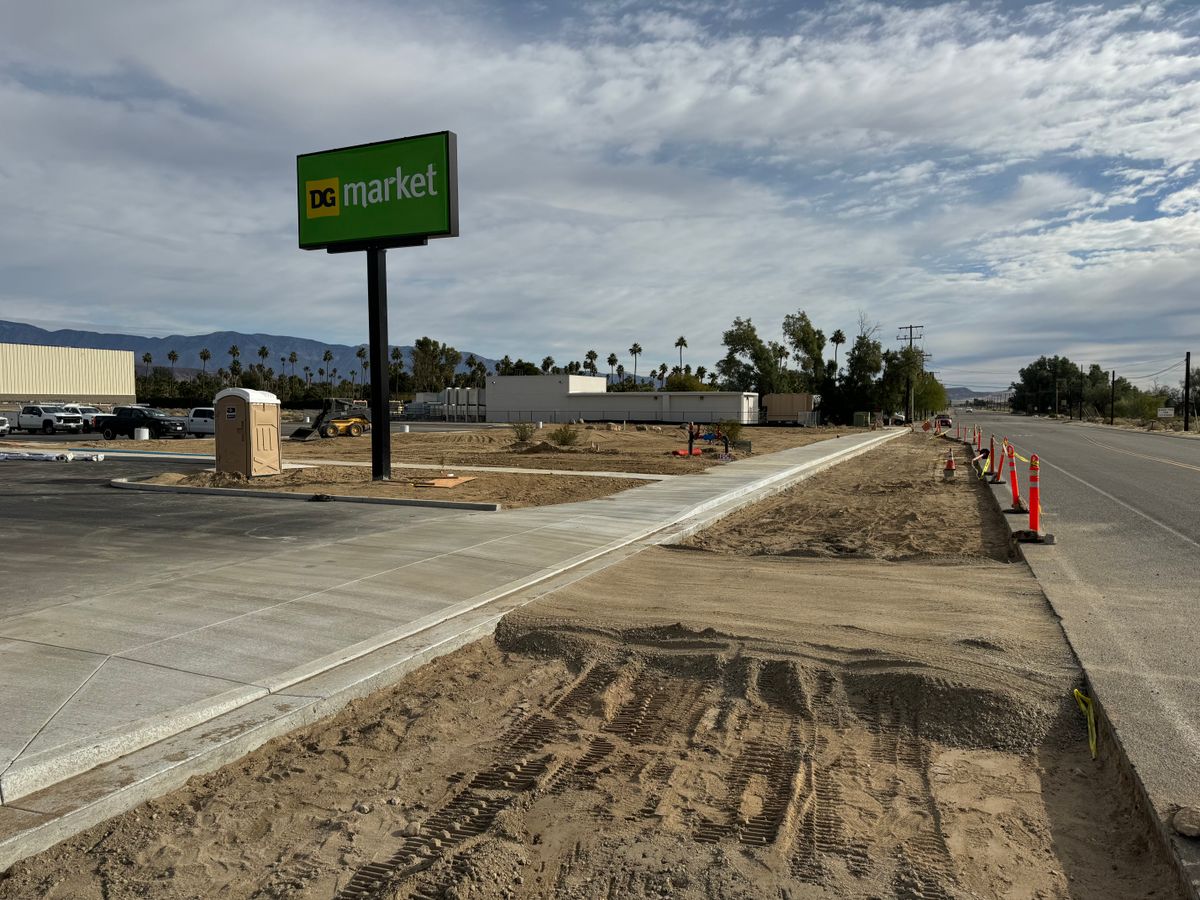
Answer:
x=382 y=194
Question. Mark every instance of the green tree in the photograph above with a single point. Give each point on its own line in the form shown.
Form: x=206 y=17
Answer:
x=147 y=359
x=433 y=364
x=547 y=364
x=612 y=362
x=750 y=364
x=1045 y=382
x=635 y=351
x=590 y=358
x=235 y=353
x=205 y=356
x=807 y=344
x=293 y=358
x=172 y=358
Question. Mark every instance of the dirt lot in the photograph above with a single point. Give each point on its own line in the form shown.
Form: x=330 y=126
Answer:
x=508 y=489
x=889 y=504
x=597 y=450
x=686 y=724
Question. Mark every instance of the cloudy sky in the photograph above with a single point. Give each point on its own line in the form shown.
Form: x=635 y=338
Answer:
x=1018 y=178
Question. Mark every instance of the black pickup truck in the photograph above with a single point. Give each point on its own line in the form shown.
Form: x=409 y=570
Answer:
x=124 y=419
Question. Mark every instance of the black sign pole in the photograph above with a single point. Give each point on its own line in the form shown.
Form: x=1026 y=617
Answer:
x=381 y=418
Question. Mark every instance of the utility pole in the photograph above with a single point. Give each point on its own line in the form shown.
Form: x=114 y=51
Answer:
x=914 y=332
x=1187 y=391
x=1112 y=399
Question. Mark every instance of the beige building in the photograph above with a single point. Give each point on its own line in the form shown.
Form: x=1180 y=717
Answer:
x=32 y=373
x=563 y=398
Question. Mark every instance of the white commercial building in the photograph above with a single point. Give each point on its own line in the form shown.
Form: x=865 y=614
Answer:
x=563 y=398
x=30 y=373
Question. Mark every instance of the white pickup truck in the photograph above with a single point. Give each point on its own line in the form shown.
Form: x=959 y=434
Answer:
x=202 y=420
x=48 y=418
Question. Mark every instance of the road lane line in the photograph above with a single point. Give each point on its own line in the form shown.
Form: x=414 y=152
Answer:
x=1133 y=509
x=1169 y=462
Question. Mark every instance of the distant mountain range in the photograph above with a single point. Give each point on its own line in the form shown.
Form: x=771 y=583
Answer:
x=959 y=394
x=308 y=352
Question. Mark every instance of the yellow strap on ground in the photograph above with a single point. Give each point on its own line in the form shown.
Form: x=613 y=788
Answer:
x=1087 y=708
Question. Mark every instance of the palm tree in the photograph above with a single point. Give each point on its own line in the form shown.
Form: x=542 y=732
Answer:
x=307 y=375
x=612 y=362
x=173 y=358
x=263 y=353
x=700 y=372
x=662 y=375
x=547 y=365
x=293 y=359
x=361 y=353
x=205 y=356
x=620 y=374
x=635 y=351
x=327 y=358
x=681 y=342
x=398 y=364
x=837 y=339
x=712 y=379
x=590 y=357
x=234 y=352
x=146 y=360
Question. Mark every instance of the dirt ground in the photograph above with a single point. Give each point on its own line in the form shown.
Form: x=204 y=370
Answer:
x=597 y=450
x=889 y=504
x=511 y=490
x=688 y=725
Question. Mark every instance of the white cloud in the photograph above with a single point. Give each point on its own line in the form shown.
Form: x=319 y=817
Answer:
x=632 y=175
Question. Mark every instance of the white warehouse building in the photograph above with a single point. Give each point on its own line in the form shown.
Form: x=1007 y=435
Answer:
x=563 y=398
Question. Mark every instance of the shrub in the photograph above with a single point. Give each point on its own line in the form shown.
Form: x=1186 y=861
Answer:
x=523 y=431
x=732 y=429
x=564 y=436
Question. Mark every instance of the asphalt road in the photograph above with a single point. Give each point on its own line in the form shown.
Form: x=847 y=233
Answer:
x=1124 y=507
x=68 y=536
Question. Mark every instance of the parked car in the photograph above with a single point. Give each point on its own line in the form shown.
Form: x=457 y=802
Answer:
x=4 y=427
x=87 y=413
x=124 y=419
x=202 y=420
x=48 y=418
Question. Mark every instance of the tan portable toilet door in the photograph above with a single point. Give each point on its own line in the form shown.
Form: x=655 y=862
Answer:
x=232 y=420
x=265 y=451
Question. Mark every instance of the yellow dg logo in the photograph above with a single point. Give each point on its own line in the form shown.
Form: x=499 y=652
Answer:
x=321 y=198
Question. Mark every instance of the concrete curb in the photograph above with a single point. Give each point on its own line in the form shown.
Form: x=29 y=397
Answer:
x=1183 y=854
x=62 y=809
x=306 y=498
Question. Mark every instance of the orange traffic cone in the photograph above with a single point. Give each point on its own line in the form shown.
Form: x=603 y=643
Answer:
x=951 y=468
x=1035 y=535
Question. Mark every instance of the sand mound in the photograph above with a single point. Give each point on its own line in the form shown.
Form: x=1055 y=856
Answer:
x=891 y=503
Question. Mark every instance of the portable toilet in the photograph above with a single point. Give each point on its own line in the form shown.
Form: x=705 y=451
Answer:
x=248 y=432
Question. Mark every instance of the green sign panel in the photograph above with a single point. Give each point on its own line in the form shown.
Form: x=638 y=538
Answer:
x=379 y=194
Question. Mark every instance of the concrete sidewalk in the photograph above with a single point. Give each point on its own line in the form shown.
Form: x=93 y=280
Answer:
x=128 y=693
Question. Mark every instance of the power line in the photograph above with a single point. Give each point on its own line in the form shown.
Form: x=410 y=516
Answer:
x=1153 y=374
